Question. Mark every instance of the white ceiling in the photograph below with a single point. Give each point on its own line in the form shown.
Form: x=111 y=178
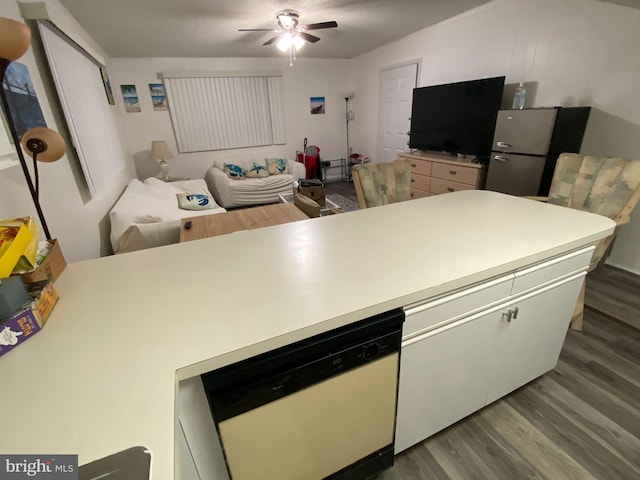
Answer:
x=209 y=28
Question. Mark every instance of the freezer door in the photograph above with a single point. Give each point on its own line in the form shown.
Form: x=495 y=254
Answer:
x=515 y=174
x=524 y=131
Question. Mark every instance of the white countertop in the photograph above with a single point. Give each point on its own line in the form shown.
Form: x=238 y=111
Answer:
x=102 y=375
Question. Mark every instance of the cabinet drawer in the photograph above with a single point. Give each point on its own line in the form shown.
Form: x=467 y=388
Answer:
x=439 y=186
x=455 y=173
x=426 y=316
x=416 y=193
x=420 y=182
x=421 y=167
x=550 y=270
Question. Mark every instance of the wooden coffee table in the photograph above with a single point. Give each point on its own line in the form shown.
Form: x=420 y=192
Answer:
x=237 y=220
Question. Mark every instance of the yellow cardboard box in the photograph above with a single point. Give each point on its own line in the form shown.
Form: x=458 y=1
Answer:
x=18 y=244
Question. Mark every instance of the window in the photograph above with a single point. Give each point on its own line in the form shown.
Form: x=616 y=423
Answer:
x=217 y=111
x=78 y=81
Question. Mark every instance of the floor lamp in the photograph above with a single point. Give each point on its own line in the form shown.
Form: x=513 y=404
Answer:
x=348 y=117
x=43 y=144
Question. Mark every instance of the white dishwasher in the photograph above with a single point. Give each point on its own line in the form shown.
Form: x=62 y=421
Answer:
x=324 y=407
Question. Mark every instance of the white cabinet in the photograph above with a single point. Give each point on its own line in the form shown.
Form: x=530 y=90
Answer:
x=451 y=368
x=442 y=378
x=529 y=344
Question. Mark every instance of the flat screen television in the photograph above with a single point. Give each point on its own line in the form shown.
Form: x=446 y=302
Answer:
x=456 y=118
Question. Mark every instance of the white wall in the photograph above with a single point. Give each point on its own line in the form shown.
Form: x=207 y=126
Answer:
x=307 y=78
x=81 y=225
x=571 y=52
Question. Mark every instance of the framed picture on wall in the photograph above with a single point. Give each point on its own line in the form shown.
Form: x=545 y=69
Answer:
x=317 y=105
x=107 y=85
x=22 y=99
x=130 y=97
x=158 y=97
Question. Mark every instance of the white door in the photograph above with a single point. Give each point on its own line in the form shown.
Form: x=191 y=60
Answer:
x=396 y=94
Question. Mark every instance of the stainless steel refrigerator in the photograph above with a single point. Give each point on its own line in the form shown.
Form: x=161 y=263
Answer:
x=527 y=143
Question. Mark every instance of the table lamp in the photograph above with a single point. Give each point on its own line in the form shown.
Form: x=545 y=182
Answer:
x=159 y=152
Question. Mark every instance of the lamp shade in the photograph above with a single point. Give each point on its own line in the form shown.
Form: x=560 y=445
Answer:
x=15 y=38
x=47 y=143
x=160 y=150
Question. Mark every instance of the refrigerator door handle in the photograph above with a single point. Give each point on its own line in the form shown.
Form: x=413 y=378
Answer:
x=500 y=158
x=503 y=144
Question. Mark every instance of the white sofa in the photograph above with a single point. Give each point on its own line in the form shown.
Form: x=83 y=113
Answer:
x=229 y=192
x=147 y=213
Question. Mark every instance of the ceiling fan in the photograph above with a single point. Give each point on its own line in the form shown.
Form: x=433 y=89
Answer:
x=291 y=36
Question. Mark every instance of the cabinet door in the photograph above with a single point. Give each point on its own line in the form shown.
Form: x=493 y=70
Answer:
x=442 y=378
x=529 y=344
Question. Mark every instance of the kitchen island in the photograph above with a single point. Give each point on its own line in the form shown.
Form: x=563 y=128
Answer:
x=103 y=374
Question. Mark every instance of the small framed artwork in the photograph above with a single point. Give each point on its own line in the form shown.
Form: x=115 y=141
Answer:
x=158 y=97
x=317 y=105
x=130 y=97
x=22 y=99
x=107 y=85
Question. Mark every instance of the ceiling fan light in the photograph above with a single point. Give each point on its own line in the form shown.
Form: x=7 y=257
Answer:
x=298 y=42
x=285 y=42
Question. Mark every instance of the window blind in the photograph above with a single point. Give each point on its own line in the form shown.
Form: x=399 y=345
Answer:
x=215 y=111
x=91 y=125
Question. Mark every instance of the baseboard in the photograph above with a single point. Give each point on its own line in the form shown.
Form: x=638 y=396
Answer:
x=623 y=267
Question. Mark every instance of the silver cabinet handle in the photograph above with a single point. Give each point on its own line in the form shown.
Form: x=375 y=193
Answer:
x=500 y=158
x=507 y=315
x=515 y=312
x=503 y=144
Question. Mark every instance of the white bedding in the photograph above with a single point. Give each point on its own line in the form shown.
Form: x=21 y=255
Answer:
x=147 y=214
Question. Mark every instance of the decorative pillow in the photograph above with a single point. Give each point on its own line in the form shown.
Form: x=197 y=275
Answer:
x=234 y=171
x=257 y=171
x=276 y=166
x=195 y=201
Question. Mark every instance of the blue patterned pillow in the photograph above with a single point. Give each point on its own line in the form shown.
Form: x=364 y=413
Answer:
x=257 y=171
x=195 y=201
x=276 y=166
x=234 y=171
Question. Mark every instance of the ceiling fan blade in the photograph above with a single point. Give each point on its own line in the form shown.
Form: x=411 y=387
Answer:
x=318 y=26
x=308 y=38
x=271 y=40
x=256 y=30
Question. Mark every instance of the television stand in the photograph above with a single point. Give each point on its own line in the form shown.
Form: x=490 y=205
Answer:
x=437 y=173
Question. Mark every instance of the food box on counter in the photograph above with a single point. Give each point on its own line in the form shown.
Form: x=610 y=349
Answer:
x=50 y=267
x=18 y=242
x=23 y=325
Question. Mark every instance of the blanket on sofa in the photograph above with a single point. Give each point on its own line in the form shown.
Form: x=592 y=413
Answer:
x=147 y=214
